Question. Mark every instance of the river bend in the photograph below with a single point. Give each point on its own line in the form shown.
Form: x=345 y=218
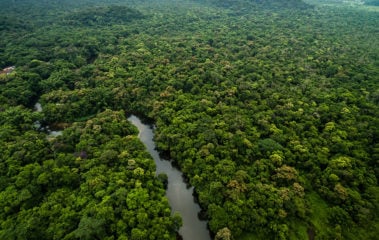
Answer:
x=179 y=196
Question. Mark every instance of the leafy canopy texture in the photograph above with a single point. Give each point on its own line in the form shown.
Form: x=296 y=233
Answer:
x=269 y=108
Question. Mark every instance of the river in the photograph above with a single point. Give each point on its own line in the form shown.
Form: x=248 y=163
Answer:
x=51 y=133
x=179 y=196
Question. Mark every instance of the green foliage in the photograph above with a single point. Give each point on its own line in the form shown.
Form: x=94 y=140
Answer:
x=50 y=190
x=268 y=107
x=270 y=4
x=103 y=16
x=372 y=2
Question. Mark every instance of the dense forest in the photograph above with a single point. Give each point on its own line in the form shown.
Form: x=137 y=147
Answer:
x=269 y=108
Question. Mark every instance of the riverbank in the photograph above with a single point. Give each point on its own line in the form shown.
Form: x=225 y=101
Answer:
x=180 y=197
x=52 y=131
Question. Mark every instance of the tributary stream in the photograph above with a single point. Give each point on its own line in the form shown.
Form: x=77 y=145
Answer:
x=179 y=196
x=51 y=133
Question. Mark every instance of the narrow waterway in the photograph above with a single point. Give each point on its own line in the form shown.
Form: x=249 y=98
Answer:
x=52 y=133
x=180 y=197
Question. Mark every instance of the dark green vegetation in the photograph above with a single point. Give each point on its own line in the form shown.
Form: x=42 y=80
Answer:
x=94 y=182
x=270 y=110
x=103 y=16
x=372 y=2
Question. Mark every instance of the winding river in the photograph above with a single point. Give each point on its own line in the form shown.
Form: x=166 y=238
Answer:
x=179 y=196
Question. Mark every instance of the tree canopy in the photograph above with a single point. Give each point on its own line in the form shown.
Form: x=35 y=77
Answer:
x=269 y=108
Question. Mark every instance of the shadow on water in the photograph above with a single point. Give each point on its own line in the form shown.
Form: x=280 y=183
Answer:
x=180 y=196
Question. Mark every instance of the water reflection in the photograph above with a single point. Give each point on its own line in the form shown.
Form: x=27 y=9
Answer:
x=38 y=108
x=180 y=197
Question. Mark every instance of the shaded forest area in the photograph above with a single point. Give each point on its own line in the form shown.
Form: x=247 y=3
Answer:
x=372 y=2
x=270 y=109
